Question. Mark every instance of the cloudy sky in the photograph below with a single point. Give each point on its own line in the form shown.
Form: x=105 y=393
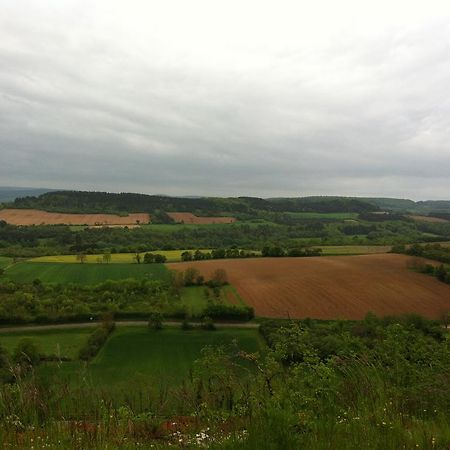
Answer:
x=273 y=98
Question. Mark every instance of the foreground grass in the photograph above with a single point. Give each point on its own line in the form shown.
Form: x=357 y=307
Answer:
x=64 y=343
x=26 y=272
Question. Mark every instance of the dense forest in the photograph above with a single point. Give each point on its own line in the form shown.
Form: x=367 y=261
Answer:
x=122 y=203
x=91 y=202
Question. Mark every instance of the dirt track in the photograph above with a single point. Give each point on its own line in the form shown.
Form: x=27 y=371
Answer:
x=189 y=218
x=37 y=217
x=340 y=287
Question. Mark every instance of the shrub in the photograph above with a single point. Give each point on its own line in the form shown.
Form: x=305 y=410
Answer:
x=207 y=324
x=229 y=312
x=186 y=325
x=96 y=340
x=26 y=353
x=155 y=321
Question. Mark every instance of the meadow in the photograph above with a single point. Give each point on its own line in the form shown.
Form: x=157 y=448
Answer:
x=59 y=342
x=318 y=215
x=171 y=255
x=195 y=299
x=60 y=272
x=166 y=356
x=135 y=354
x=4 y=262
x=336 y=250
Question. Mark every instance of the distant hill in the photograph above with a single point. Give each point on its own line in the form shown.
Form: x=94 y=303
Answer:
x=9 y=194
x=404 y=205
x=104 y=202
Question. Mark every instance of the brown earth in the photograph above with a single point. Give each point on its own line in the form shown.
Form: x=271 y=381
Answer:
x=339 y=287
x=428 y=219
x=37 y=217
x=189 y=218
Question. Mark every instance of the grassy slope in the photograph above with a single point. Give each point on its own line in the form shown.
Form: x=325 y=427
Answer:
x=26 y=272
x=49 y=342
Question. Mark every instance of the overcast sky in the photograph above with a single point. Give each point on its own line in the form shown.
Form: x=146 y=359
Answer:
x=238 y=97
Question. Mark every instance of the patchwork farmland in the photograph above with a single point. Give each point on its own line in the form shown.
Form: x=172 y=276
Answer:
x=345 y=287
x=38 y=217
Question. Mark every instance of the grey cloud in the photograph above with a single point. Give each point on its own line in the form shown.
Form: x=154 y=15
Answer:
x=358 y=116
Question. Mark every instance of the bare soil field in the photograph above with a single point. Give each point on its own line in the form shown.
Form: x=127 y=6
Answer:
x=340 y=287
x=37 y=217
x=189 y=218
x=428 y=219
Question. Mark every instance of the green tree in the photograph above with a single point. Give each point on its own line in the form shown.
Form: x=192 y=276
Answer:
x=81 y=258
x=149 y=258
x=155 y=321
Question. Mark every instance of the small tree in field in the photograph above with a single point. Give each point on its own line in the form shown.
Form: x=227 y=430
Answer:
x=137 y=257
x=220 y=277
x=81 y=258
x=190 y=275
x=106 y=257
x=155 y=321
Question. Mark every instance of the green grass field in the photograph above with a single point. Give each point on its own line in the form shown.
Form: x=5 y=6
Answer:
x=335 y=250
x=171 y=255
x=195 y=299
x=26 y=272
x=316 y=215
x=134 y=355
x=5 y=261
x=49 y=342
x=169 y=354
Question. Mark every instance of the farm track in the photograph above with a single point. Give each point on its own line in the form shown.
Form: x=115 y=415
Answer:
x=343 y=287
x=120 y=323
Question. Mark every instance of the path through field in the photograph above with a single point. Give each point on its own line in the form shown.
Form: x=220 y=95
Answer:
x=340 y=287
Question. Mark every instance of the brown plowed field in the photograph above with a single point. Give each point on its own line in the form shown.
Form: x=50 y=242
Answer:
x=189 y=218
x=428 y=219
x=339 y=287
x=37 y=217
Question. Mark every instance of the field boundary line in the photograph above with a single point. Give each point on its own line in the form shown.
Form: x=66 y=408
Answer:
x=119 y=323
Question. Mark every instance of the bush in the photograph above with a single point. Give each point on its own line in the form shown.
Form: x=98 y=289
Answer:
x=229 y=312
x=96 y=340
x=186 y=325
x=207 y=324
x=26 y=353
x=155 y=321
